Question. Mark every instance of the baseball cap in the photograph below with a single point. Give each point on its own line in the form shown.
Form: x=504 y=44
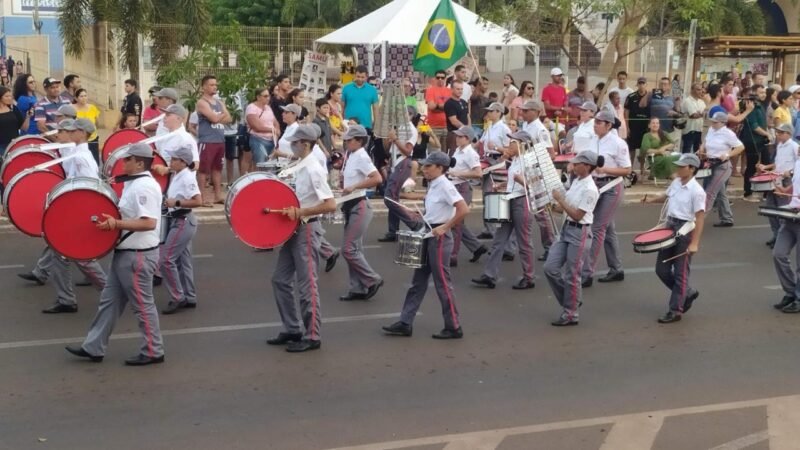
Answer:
x=140 y=150
x=438 y=159
x=521 y=135
x=588 y=106
x=67 y=111
x=167 y=93
x=67 y=125
x=534 y=105
x=641 y=80
x=555 y=71
x=720 y=117
x=466 y=131
x=496 y=107
x=688 y=159
x=175 y=109
x=85 y=125
x=605 y=116
x=794 y=88
x=292 y=108
x=785 y=127
x=184 y=153
x=154 y=89
x=305 y=133
x=49 y=81
x=586 y=157
x=354 y=131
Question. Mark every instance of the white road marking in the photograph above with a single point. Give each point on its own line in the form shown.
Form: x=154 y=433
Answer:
x=372 y=246
x=12 y=266
x=203 y=256
x=634 y=433
x=773 y=287
x=744 y=442
x=199 y=330
x=783 y=415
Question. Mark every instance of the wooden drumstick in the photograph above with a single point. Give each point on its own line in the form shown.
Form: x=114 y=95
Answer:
x=675 y=257
x=278 y=211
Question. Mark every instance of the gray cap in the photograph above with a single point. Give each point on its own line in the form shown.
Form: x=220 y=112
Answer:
x=466 y=131
x=521 y=135
x=605 y=116
x=438 y=159
x=785 y=127
x=586 y=157
x=67 y=125
x=292 y=108
x=184 y=153
x=688 y=159
x=534 y=105
x=167 y=93
x=588 y=106
x=175 y=109
x=139 y=149
x=67 y=111
x=305 y=133
x=412 y=111
x=354 y=131
x=720 y=117
x=496 y=107
x=85 y=125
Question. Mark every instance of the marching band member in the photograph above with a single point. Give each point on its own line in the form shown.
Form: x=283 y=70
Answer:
x=617 y=163
x=175 y=263
x=290 y=116
x=720 y=145
x=298 y=259
x=788 y=239
x=786 y=154
x=174 y=118
x=83 y=165
x=327 y=251
x=468 y=167
x=495 y=140
x=686 y=202
x=132 y=266
x=521 y=223
x=358 y=172
x=533 y=125
x=444 y=208
x=567 y=256
x=402 y=143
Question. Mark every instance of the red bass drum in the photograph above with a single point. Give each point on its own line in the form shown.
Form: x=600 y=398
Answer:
x=119 y=138
x=248 y=206
x=114 y=167
x=25 y=158
x=25 y=197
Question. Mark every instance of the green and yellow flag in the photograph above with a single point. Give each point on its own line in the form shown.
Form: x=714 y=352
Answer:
x=442 y=43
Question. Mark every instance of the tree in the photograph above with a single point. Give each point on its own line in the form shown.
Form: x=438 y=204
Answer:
x=131 y=18
x=298 y=13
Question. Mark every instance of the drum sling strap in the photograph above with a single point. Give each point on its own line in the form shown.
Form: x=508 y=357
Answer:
x=122 y=179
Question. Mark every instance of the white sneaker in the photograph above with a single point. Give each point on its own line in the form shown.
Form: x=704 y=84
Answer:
x=751 y=199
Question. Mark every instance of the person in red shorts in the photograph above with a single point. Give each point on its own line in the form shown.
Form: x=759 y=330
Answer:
x=213 y=116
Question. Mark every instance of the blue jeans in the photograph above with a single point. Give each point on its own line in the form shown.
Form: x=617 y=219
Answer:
x=261 y=148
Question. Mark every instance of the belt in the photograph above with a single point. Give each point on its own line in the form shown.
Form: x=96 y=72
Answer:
x=135 y=250
x=675 y=219
x=436 y=225
x=570 y=223
x=604 y=178
x=312 y=220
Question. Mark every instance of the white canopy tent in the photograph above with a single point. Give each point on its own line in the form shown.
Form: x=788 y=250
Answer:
x=402 y=22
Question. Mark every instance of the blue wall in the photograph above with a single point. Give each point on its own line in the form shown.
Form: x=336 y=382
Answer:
x=23 y=26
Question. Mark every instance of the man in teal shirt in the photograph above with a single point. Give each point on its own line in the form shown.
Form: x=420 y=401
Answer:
x=360 y=99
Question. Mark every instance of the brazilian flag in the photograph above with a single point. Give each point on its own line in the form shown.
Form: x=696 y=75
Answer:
x=442 y=43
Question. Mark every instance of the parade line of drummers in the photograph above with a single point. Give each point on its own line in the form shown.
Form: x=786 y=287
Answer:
x=293 y=198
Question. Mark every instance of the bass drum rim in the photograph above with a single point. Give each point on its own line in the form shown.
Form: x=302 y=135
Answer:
x=7 y=200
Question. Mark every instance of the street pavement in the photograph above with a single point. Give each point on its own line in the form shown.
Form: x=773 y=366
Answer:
x=723 y=378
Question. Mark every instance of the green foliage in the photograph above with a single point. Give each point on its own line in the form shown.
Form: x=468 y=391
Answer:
x=298 y=13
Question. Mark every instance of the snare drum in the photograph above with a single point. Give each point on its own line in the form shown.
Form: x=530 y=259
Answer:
x=659 y=238
x=72 y=210
x=24 y=141
x=25 y=158
x=496 y=209
x=272 y=166
x=115 y=166
x=25 y=197
x=120 y=138
x=764 y=182
x=411 y=249
x=337 y=216
x=252 y=209
x=561 y=161
x=792 y=215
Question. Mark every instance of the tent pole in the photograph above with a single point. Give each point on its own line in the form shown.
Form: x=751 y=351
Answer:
x=384 y=44
x=534 y=50
x=370 y=58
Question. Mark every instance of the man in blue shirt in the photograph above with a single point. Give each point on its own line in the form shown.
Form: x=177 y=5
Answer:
x=360 y=99
x=45 y=109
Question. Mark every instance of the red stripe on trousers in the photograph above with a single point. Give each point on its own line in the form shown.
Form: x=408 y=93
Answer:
x=314 y=293
x=138 y=294
x=445 y=286
x=169 y=255
x=576 y=277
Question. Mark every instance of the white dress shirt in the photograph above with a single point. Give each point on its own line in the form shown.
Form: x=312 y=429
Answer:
x=583 y=137
x=357 y=168
x=685 y=200
x=497 y=136
x=140 y=198
x=691 y=106
x=183 y=186
x=785 y=156
x=795 y=202
x=538 y=132
x=614 y=150
x=311 y=184
x=179 y=138
x=515 y=168
x=583 y=195
x=720 y=142
x=440 y=201
x=406 y=134
x=467 y=159
x=82 y=165
x=321 y=157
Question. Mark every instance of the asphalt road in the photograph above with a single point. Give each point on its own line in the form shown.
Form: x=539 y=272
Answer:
x=617 y=381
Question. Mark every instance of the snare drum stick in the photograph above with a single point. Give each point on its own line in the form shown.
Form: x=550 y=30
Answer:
x=151 y=121
x=416 y=205
x=276 y=211
x=675 y=257
x=398 y=204
x=50 y=133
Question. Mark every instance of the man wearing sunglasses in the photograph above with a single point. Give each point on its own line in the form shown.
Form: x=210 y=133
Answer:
x=436 y=95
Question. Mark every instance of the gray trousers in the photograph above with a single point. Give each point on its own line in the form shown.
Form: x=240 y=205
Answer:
x=563 y=267
x=716 y=187
x=522 y=226
x=44 y=264
x=61 y=270
x=775 y=201
x=788 y=238
x=357 y=222
x=297 y=263
x=130 y=279
x=176 y=262
x=394 y=185
x=438 y=264
x=326 y=250
x=605 y=233
x=546 y=230
x=461 y=232
x=675 y=274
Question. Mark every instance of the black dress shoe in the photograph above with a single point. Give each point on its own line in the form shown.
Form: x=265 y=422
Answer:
x=485 y=235
x=564 y=322
x=448 y=333
x=398 y=329
x=453 y=263
x=350 y=296
x=524 y=284
x=330 y=263
x=508 y=257
x=58 y=308
x=669 y=318
x=79 y=351
x=173 y=307
x=723 y=224
x=484 y=281
x=792 y=308
x=611 y=277
x=142 y=360
x=303 y=345
x=284 y=338
x=544 y=257
x=372 y=290
x=156 y=280
x=587 y=283
x=478 y=253
x=83 y=283
x=785 y=301
x=31 y=277
x=388 y=238
x=771 y=243
x=687 y=305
